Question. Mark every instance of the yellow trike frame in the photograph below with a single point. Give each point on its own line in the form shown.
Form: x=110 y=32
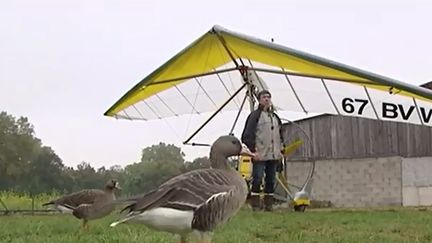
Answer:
x=245 y=169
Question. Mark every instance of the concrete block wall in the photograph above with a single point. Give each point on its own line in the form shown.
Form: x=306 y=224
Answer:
x=417 y=181
x=353 y=182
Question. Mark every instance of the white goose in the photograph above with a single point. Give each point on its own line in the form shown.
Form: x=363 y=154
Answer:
x=196 y=201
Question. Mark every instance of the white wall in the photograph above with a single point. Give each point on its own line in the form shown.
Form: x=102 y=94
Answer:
x=417 y=181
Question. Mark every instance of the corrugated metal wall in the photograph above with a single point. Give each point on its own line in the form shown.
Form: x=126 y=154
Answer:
x=342 y=137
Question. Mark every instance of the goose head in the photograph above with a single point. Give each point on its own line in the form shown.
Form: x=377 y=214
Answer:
x=224 y=147
x=112 y=185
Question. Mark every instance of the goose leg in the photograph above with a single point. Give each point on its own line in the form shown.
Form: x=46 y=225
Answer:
x=205 y=238
x=183 y=239
x=85 y=225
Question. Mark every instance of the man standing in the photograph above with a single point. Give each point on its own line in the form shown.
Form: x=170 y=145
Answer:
x=263 y=136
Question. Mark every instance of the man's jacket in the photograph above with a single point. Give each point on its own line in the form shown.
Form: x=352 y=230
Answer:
x=263 y=134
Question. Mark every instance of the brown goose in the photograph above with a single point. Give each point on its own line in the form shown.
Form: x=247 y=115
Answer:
x=196 y=201
x=88 y=204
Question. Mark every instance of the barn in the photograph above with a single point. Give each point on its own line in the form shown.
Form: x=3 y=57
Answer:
x=363 y=162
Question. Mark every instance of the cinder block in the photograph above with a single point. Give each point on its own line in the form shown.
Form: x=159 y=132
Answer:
x=354 y=182
x=417 y=171
x=425 y=196
x=410 y=196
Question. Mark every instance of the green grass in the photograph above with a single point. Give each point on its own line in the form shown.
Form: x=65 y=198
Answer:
x=324 y=225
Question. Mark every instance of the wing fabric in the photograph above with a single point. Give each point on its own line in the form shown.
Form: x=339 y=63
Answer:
x=202 y=76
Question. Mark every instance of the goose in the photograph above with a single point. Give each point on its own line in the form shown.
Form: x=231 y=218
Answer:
x=88 y=204
x=197 y=201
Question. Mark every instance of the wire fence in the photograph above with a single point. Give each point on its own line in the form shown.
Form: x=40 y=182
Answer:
x=6 y=211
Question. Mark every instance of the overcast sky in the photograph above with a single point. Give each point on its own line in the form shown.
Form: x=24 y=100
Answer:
x=64 y=63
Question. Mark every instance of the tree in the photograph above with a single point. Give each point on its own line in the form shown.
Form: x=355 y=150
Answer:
x=18 y=148
x=46 y=172
x=158 y=164
x=162 y=152
x=86 y=176
x=198 y=163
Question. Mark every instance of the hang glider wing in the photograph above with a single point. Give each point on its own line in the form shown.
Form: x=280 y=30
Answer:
x=221 y=63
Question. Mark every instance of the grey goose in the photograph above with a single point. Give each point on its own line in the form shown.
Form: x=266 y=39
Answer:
x=88 y=204
x=196 y=201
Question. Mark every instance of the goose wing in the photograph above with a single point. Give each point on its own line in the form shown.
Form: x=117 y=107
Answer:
x=188 y=191
x=73 y=200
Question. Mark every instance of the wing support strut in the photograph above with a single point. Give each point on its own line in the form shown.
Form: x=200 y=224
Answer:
x=214 y=114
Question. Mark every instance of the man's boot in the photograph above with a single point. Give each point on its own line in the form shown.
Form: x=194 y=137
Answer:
x=255 y=202
x=268 y=202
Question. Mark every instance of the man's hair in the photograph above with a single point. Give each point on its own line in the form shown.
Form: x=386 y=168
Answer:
x=263 y=92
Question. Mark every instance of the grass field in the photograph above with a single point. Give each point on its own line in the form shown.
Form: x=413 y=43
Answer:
x=319 y=225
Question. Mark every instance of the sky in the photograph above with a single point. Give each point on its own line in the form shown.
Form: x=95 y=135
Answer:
x=64 y=63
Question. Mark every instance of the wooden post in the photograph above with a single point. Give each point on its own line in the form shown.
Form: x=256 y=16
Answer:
x=4 y=205
x=32 y=204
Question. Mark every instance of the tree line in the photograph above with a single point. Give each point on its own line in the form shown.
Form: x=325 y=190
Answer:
x=27 y=166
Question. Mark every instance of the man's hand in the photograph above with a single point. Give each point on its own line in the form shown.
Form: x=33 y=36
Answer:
x=257 y=157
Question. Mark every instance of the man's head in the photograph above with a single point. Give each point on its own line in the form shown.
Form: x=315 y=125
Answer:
x=264 y=99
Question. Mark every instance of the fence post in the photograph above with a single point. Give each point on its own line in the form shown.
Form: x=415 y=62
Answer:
x=4 y=205
x=32 y=204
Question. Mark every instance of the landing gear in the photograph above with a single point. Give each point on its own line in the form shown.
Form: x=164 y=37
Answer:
x=300 y=208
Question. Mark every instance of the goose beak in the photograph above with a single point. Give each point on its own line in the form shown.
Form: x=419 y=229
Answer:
x=246 y=152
